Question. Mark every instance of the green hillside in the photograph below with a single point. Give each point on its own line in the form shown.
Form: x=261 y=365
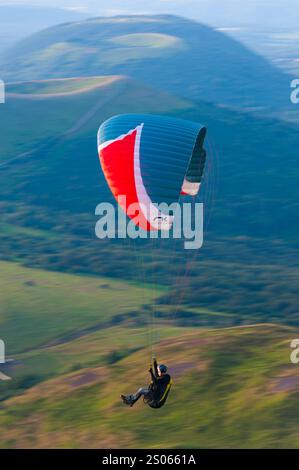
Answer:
x=38 y=307
x=164 y=51
x=75 y=343
x=67 y=105
x=49 y=320
x=232 y=388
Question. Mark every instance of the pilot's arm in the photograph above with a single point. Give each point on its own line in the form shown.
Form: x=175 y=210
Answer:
x=155 y=366
x=153 y=376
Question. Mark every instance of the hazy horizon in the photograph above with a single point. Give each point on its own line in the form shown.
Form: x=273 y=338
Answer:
x=214 y=12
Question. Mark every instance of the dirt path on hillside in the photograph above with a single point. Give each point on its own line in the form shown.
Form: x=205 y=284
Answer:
x=40 y=96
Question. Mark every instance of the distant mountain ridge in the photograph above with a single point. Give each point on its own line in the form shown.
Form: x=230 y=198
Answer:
x=167 y=52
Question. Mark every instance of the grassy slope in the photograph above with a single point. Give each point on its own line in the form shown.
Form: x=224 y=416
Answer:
x=62 y=103
x=232 y=388
x=39 y=306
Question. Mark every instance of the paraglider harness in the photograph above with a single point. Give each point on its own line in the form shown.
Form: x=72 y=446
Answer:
x=150 y=398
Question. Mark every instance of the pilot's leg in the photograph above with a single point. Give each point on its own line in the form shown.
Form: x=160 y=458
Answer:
x=140 y=392
x=131 y=399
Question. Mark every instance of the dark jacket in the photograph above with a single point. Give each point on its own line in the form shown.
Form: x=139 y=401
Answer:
x=159 y=387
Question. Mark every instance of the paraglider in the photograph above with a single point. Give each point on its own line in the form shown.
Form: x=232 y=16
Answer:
x=149 y=163
x=157 y=392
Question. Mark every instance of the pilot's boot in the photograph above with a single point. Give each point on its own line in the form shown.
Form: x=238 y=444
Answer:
x=128 y=399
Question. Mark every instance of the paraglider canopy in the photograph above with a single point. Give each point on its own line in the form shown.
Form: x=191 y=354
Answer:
x=148 y=160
